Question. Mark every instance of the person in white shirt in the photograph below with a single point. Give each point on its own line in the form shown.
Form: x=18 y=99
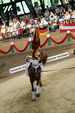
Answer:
x=67 y=17
x=43 y=22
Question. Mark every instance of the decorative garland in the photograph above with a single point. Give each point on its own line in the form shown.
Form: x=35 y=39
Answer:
x=22 y=49
x=60 y=41
x=48 y=39
x=5 y=52
x=44 y=43
x=72 y=36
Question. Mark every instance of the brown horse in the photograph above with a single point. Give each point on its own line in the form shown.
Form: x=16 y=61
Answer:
x=35 y=74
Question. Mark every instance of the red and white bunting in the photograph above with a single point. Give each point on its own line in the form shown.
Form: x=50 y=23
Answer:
x=66 y=27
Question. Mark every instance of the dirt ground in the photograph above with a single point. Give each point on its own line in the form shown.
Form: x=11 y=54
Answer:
x=58 y=92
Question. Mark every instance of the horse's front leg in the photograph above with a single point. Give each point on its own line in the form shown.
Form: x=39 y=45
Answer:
x=34 y=84
x=40 y=88
x=37 y=89
x=33 y=95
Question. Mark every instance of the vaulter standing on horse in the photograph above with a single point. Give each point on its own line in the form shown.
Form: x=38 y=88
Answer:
x=36 y=43
x=34 y=65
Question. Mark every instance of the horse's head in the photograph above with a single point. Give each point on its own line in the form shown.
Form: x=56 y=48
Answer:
x=43 y=57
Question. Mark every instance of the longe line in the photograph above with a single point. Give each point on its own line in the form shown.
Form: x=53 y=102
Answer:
x=55 y=70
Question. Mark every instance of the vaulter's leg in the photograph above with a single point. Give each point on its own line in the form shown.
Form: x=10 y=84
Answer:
x=37 y=52
x=33 y=54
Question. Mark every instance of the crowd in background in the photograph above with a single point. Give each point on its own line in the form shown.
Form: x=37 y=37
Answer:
x=18 y=28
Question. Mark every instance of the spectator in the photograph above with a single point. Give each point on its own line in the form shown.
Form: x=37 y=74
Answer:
x=26 y=20
x=67 y=17
x=64 y=11
x=32 y=21
x=46 y=14
x=71 y=2
x=51 y=17
x=65 y=3
x=73 y=17
x=37 y=10
x=43 y=22
x=57 y=11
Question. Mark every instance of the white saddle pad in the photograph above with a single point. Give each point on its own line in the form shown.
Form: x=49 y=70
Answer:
x=35 y=64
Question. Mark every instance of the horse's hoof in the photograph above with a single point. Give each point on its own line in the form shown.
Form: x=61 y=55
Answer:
x=38 y=94
x=33 y=99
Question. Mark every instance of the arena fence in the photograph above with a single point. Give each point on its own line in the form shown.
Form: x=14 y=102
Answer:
x=48 y=40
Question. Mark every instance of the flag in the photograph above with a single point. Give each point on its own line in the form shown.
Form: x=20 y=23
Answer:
x=66 y=27
x=44 y=31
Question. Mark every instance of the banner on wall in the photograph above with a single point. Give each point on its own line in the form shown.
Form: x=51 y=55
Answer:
x=66 y=27
x=44 y=31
